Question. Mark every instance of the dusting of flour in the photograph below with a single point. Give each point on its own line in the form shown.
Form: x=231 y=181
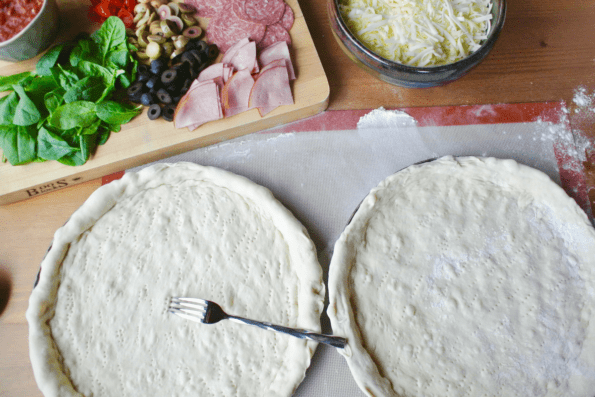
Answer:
x=382 y=118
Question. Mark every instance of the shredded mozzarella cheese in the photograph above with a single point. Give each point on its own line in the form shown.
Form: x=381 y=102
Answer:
x=419 y=32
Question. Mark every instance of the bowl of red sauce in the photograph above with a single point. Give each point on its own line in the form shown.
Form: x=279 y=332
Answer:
x=27 y=27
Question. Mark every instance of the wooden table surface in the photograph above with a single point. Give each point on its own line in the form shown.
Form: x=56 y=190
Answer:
x=545 y=53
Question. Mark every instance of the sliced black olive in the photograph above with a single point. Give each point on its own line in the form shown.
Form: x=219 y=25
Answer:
x=164 y=96
x=147 y=99
x=199 y=56
x=169 y=76
x=199 y=45
x=143 y=76
x=152 y=82
x=135 y=91
x=212 y=51
x=189 y=58
x=158 y=66
x=168 y=112
x=154 y=112
x=142 y=68
x=183 y=70
x=186 y=86
x=176 y=99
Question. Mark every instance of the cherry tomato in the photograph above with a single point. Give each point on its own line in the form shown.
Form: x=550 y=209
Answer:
x=126 y=17
x=102 y=9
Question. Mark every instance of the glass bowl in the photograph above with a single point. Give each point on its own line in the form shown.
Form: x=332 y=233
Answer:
x=411 y=76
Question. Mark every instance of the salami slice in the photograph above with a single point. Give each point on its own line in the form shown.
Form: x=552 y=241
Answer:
x=209 y=8
x=266 y=12
x=238 y=7
x=273 y=34
x=288 y=18
x=226 y=29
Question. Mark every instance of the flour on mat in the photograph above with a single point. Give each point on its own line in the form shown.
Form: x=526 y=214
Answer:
x=382 y=118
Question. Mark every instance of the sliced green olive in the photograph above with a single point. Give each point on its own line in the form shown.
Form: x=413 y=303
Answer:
x=168 y=48
x=185 y=8
x=181 y=41
x=142 y=55
x=177 y=52
x=156 y=29
x=157 y=3
x=189 y=20
x=168 y=28
x=153 y=50
x=141 y=8
x=144 y=20
x=193 y=32
x=175 y=10
x=164 y=12
x=143 y=39
x=138 y=17
x=155 y=38
x=153 y=17
x=179 y=24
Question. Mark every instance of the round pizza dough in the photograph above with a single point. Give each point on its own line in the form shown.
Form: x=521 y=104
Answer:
x=467 y=277
x=98 y=316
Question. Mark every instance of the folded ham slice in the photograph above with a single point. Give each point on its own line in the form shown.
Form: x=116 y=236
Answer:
x=245 y=57
x=236 y=93
x=271 y=90
x=201 y=104
x=211 y=72
x=278 y=50
x=233 y=49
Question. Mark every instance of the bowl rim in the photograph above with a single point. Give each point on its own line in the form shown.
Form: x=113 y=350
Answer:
x=470 y=59
x=26 y=28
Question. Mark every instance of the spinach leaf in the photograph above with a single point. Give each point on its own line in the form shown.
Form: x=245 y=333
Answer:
x=116 y=113
x=88 y=89
x=41 y=84
x=26 y=113
x=73 y=114
x=48 y=60
x=91 y=128
x=8 y=105
x=54 y=99
x=18 y=146
x=103 y=135
x=111 y=35
x=6 y=82
x=119 y=58
x=66 y=78
x=85 y=50
x=87 y=144
x=50 y=146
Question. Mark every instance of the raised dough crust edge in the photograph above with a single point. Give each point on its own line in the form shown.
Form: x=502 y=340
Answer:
x=43 y=354
x=361 y=364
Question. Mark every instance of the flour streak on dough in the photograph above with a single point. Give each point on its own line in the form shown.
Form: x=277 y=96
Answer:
x=98 y=317
x=467 y=277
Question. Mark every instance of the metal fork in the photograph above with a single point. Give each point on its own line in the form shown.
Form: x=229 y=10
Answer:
x=208 y=312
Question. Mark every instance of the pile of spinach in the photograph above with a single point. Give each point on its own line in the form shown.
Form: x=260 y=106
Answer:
x=64 y=109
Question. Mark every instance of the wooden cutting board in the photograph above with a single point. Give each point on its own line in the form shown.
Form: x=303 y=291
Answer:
x=142 y=140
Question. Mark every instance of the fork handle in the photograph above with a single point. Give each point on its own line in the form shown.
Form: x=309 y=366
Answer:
x=331 y=340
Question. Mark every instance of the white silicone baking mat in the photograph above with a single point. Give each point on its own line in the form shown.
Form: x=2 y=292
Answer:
x=322 y=167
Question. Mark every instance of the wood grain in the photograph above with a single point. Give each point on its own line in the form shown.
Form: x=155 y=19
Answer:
x=546 y=51
x=142 y=140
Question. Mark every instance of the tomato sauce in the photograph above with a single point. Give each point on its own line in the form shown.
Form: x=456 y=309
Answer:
x=15 y=15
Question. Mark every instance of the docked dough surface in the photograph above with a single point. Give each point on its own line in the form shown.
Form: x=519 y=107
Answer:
x=98 y=317
x=467 y=277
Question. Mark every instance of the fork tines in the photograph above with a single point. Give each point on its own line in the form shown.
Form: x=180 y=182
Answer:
x=189 y=308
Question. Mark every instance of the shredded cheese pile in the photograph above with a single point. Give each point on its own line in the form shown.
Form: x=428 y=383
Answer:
x=419 y=32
